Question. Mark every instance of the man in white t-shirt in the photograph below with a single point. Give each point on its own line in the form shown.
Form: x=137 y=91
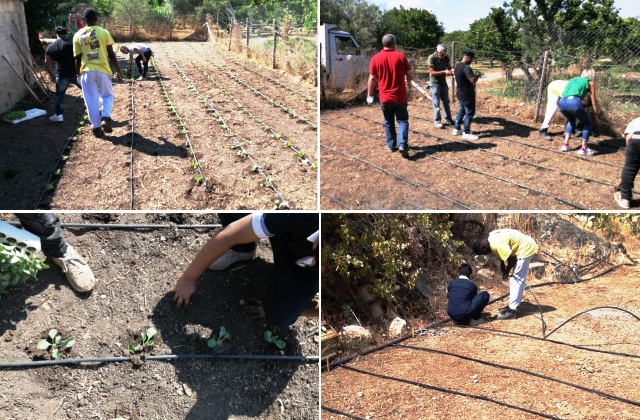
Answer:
x=144 y=54
x=631 y=164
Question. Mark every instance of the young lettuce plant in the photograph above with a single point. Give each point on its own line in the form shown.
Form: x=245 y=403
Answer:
x=146 y=341
x=222 y=335
x=54 y=343
x=269 y=337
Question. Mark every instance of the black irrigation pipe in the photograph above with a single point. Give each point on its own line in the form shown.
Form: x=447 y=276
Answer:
x=335 y=200
x=283 y=204
x=131 y=150
x=400 y=177
x=164 y=357
x=341 y=413
x=450 y=391
x=474 y=146
x=67 y=146
x=589 y=310
x=301 y=154
x=307 y=97
x=128 y=226
x=558 y=199
x=524 y=371
x=173 y=111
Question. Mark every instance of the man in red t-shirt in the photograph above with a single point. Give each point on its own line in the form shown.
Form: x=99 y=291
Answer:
x=392 y=72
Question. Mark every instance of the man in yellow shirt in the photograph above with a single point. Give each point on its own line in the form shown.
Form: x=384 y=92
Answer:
x=93 y=49
x=514 y=249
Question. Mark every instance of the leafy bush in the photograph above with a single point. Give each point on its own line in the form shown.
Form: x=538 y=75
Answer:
x=17 y=265
x=54 y=343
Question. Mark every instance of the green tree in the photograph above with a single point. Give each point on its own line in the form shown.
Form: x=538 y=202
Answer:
x=42 y=15
x=495 y=37
x=413 y=28
x=358 y=17
x=133 y=12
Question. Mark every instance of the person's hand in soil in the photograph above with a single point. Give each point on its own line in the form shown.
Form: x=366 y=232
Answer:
x=185 y=287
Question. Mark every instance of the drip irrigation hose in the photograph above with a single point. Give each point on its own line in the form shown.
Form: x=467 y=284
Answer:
x=131 y=150
x=526 y=372
x=39 y=363
x=128 y=226
x=558 y=199
x=400 y=177
x=589 y=310
x=335 y=200
x=341 y=413
x=450 y=391
x=544 y=324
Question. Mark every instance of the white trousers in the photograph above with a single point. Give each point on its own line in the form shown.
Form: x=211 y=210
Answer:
x=96 y=86
x=552 y=107
x=517 y=282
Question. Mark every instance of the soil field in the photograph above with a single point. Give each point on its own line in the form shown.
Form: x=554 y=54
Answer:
x=135 y=273
x=487 y=373
x=207 y=130
x=509 y=168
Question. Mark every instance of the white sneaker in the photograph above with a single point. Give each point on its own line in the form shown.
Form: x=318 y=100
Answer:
x=622 y=202
x=77 y=270
x=438 y=125
x=470 y=136
x=585 y=152
x=231 y=257
x=456 y=132
x=56 y=118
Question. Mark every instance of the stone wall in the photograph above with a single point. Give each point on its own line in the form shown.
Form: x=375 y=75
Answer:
x=12 y=90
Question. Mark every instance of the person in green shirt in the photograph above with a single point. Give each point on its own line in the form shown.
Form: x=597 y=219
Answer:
x=572 y=108
x=515 y=250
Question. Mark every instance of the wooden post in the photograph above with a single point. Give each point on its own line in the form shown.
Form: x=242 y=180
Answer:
x=25 y=44
x=247 y=36
x=275 y=40
x=453 y=78
x=37 y=80
x=22 y=80
x=25 y=61
x=543 y=78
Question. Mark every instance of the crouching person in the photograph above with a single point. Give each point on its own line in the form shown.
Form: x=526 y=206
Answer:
x=465 y=303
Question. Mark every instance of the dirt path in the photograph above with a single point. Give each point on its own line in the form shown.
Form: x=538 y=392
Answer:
x=135 y=272
x=401 y=381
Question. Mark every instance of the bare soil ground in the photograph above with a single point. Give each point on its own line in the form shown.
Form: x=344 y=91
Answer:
x=510 y=167
x=135 y=272
x=453 y=372
x=146 y=164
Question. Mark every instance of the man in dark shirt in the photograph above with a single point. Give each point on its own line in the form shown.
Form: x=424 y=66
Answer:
x=465 y=303
x=466 y=93
x=439 y=69
x=61 y=52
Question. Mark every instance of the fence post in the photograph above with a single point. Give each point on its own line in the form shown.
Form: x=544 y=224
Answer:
x=247 y=36
x=453 y=78
x=275 y=39
x=170 y=28
x=543 y=78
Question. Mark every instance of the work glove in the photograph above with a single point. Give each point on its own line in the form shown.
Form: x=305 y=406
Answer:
x=369 y=100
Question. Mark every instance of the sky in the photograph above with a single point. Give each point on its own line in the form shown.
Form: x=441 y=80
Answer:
x=459 y=14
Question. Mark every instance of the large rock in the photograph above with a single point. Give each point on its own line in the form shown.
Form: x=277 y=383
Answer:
x=354 y=337
x=398 y=328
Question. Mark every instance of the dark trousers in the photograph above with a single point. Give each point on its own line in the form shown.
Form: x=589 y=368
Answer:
x=226 y=219
x=630 y=169
x=62 y=83
x=147 y=55
x=47 y=227
x=466 y=111
x=477 y=305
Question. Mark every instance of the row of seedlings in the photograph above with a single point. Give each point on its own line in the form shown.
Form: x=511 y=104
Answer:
x=200 y=179
x=55 y=175
x=274 y=134
x=272 y=101
x=242 y=152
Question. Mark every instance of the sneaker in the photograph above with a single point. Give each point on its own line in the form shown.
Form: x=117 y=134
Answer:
x=231 y=257
x=623 y=203
x=438 y=124
x=585 y=152
x=56 y=118
x=391 y=149
x=141 y=78
x=77 y=270
x=507 y=313
x=469 y=136
x=106 y=124
x=456 y=132
x=544 y=134
x=98 y=132
x=448 y=122
x=476 y=322
x=404 y=152
x=565 y=147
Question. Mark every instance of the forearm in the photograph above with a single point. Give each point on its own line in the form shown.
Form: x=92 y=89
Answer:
x=371 y=85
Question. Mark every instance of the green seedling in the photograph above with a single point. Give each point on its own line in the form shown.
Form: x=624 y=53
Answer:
x=235 y=146
x=314 y=165
x=217 y=341
x=195 y=165
x=301 y=154
x=57 y=172
x=14 y=115
x=183 y=131
x=146 y=341
x=277 y=136
x=267 y=182
x=255 y=168
x=65 y=157
x=287 y=144
x=269 y=337
x=240 y=153
x=198 y=179
x=54 y=343
x=74 y=138
x=50 y=187
x=190 y=153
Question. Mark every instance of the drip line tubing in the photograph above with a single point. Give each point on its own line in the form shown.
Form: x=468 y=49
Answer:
x=164 y=357
x=128 y=226
x=335 y=200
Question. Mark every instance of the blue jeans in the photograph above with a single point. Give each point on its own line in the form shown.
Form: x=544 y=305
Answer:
x=467 y=110
x=391 y=112
x=62 y=83
x=439 y=92
x=572 y=109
